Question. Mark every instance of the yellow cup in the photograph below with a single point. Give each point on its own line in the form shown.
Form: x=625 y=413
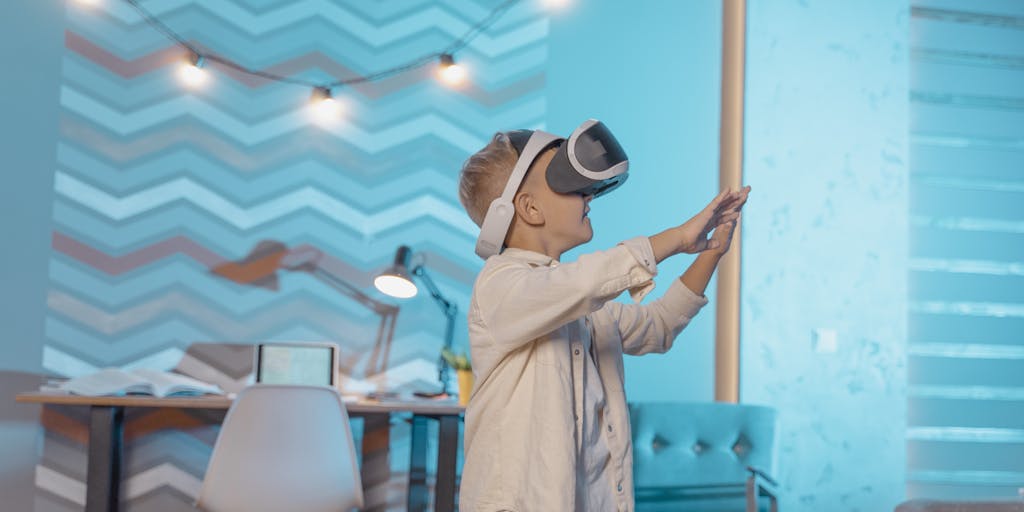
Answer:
x=465 y=385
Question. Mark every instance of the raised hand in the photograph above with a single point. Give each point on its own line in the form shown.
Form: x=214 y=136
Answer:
x=722 y=211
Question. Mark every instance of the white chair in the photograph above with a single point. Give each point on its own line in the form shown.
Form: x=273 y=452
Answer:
x=283 y=448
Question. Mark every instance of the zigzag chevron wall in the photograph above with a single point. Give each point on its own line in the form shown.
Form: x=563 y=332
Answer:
x=156 y=185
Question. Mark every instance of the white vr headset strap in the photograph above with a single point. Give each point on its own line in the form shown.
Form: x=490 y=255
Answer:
x=499 y=214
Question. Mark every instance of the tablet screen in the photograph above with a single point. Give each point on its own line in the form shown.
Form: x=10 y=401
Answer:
x=295 y=364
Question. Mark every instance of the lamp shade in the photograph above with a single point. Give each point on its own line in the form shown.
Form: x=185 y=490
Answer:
x=396 y=281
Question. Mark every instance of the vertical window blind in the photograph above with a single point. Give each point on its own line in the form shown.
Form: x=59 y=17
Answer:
x=965 y=425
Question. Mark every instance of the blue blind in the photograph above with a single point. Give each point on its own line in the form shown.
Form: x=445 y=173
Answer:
x=965 y=426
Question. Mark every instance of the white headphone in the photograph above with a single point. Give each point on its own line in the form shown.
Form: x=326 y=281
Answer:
x=499 y=215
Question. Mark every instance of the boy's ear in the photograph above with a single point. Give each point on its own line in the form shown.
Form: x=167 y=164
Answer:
x=528 y=209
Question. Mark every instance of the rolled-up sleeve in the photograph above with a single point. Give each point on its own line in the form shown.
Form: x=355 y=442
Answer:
x=519 y=302
x=653 y=327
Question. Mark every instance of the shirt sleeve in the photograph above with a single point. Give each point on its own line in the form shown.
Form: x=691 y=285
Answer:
x=518 y=303
x=653 y=327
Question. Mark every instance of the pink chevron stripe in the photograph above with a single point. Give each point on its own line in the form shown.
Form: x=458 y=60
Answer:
x=124 y=68
x=258 y=268
x=117 y=265
x=294 y=66
x=267 y=157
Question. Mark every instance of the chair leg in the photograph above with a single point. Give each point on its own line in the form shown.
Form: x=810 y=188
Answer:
x=751 y=494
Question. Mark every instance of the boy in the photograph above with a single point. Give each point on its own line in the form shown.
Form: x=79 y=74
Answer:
x=547 y=428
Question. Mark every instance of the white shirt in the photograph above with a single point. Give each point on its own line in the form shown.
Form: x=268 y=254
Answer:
x=522 y=425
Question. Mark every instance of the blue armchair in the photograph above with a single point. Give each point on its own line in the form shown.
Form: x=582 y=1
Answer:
x=703 y=457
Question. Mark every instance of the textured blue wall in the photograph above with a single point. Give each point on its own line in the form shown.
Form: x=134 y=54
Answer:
x=825 y=245
x=655 y=83
x=31 y=51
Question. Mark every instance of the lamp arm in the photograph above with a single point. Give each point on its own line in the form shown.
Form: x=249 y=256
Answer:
x=450 y=310
x=347 y=288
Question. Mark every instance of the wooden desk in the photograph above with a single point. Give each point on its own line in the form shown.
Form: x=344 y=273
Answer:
x=106 y=433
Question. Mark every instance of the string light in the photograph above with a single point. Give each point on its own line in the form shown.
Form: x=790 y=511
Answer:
x=192 y=73
x=450 y=72
x=325 y=109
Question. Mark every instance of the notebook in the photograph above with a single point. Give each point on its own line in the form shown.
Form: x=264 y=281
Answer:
x=312 y=364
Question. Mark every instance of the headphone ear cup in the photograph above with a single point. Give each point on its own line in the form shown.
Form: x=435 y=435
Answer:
x=495 y=228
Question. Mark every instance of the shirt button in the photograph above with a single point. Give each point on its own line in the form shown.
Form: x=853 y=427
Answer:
x=609 y=428
x=620 y=487
x=577 y=351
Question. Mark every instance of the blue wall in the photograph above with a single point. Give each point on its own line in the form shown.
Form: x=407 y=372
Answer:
x=824 y=293
x=30 y=52
x=650 y=70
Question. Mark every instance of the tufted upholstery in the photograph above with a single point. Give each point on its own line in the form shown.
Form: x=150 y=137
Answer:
x=682 y=451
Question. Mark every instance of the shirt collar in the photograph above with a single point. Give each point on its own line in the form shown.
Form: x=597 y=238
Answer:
x=529 y=257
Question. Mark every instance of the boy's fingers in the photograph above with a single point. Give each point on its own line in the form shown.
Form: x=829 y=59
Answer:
x=718 y=199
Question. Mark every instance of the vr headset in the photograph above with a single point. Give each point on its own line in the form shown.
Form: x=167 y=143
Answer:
x=590 y=163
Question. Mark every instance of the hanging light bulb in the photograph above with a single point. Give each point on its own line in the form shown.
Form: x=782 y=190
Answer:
x=192 y=73
x=88 y=3
x=556 y=5
x=450 y=72
x=326 y=110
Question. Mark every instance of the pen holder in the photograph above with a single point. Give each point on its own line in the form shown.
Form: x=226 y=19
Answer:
x=465 y=386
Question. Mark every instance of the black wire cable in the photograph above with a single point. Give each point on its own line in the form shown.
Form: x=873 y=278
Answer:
x=456 y=46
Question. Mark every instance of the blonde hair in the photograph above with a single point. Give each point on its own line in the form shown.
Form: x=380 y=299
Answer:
x=484 y=175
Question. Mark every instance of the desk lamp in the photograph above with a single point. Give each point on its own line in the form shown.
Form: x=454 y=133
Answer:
x=396 y=281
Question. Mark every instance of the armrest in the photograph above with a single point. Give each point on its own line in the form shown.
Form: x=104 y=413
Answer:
x=760 y=484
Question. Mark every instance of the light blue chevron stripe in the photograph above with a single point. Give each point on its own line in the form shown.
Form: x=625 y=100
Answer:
x=183 y=189
x=248 y=104
x=141 y=344
x=219 y=295
x=63 y=364
x=185 y=131
x=316 y=35
x=177 y=275
x=387 y=167
x=172 y=446
x=333 y=312
x=136 y=321
x=184 y=163
x=158 y=335
x=125 y=124
x=363 y=252
x=234 y=103
x=296 y=15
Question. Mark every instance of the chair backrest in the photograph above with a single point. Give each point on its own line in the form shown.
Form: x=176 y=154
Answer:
x=283 y=448
x=679 y=444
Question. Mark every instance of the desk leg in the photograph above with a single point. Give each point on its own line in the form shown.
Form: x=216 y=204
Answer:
x=103 y=476
x=447 y=451
x=376 y=467
x=418 y=496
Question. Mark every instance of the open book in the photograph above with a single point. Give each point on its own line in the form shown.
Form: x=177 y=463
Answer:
x=112 y=381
